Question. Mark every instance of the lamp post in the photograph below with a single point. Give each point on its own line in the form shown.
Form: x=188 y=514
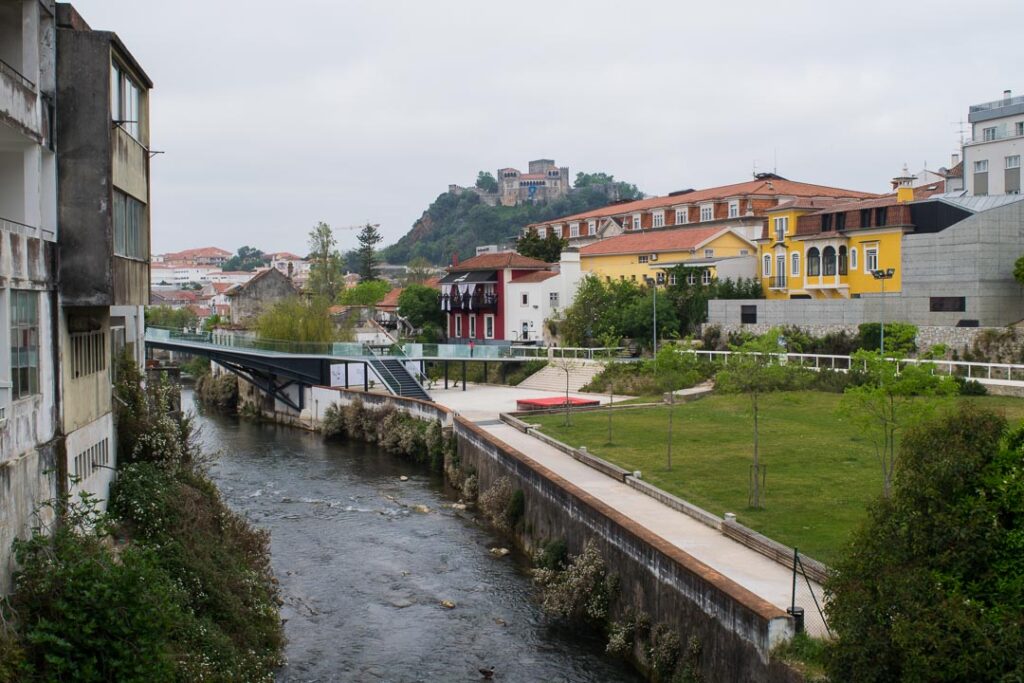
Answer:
x=653 y=284
x=882 y=275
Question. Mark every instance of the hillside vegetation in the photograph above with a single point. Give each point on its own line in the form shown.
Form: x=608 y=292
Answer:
x=459 y=223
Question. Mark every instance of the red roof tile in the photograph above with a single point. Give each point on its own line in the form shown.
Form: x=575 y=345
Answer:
x=390 y=299
x=500 y=261
x=536 y=276
x=653 y=241
x=204 y=252
x=773 y=187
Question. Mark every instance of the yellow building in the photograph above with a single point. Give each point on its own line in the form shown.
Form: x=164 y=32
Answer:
x=637 y=255
x=823 y=249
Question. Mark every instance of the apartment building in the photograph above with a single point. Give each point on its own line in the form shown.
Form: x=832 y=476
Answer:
x=992 y=155
x=30 y=448
x=741 y=207
x=103 y=214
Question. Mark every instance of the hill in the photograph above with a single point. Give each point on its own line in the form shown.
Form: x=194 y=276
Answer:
x=459 y=223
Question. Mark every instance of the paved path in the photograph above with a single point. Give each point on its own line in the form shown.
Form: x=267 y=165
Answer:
x=750 y=569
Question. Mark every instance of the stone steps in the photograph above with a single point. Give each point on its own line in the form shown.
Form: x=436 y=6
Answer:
x=552 y=378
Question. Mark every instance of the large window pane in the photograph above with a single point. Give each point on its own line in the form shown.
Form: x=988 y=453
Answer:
x=24 y=343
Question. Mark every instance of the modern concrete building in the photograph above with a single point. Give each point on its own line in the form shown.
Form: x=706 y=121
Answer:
x=992 y=155
x=103 y=214
x=30 y=445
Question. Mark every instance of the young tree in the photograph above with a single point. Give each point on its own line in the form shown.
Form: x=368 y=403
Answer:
x=368 y=238
x=299 y=320
x=753 y=369
x=610 y=342
x=325 y=273
x=566 y=365
x=931 y=586
x=893 y=399
x=486 y=182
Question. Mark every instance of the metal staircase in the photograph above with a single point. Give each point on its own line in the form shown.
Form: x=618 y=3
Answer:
x=397 y=377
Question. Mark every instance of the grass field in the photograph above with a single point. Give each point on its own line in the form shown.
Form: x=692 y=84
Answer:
x=821 y=471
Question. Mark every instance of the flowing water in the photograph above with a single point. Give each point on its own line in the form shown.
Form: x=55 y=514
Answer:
x=366 y=560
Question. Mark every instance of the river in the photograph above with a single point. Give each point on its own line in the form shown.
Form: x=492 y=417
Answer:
x=365 y=561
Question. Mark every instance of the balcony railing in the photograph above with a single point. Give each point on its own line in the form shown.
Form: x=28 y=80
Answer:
x=26 y=230
x=13 y=73
x=996 y=104
x=777 y=282
x=474 y=302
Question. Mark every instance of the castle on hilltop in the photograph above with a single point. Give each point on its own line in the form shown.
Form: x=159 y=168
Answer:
x=543 y=182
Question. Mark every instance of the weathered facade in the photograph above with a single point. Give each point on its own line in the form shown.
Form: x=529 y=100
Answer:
x=29 y=436
x=264 y=290
x=103 y=212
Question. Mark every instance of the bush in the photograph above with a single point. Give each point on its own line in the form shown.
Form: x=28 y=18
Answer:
x=970 y=387
x=496 y=501
x=81 y=613
x=553 y=555
x=232 y=629
x=219 y=392
x=900 y=338
x=582 y=592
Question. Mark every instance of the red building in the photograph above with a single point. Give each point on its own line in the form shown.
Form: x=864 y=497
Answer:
x=473 y=294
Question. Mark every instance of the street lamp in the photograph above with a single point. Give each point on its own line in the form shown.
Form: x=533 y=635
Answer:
x=883 y=275
x=653 y=284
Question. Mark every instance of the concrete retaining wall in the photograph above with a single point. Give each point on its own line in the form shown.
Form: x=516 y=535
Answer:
x=736 y=629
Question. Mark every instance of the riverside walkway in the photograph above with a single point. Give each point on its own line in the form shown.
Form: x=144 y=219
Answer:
x=752 y=570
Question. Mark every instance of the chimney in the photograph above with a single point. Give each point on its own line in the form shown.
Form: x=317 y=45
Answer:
x=455 y=258
x=904 y=185
x=954 y=160
x=1006 y=94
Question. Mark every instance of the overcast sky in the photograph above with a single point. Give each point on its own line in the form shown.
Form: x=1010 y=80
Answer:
x=275 y=115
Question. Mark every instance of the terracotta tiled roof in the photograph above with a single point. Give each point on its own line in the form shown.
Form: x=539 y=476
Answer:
x=884 y=200
x=390 y=299
x=201 y=252
x=956 y=172
x=774 y=187
x=653 y=241
x=500 y=261
x=221 y=287
x=285 y=256
x=808 y=203
x=536 y=276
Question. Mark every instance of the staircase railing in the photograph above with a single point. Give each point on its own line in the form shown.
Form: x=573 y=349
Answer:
x=397 y=351
x=382 y=370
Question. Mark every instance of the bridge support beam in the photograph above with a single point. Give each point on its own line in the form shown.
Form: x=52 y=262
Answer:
x=267 y=383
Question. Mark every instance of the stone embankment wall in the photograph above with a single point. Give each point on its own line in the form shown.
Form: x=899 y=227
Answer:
x=956 y=338
x=736 y=630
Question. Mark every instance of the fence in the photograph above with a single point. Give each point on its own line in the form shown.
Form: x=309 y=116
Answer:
x=986 y=373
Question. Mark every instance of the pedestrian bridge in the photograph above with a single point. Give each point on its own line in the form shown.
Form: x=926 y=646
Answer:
x=277 y=366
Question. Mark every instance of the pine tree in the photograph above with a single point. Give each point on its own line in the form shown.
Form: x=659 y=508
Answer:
x=368 y=239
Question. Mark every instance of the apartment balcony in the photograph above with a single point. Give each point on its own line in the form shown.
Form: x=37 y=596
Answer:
x=19 y=102
x=474 y=302
x=777 y=282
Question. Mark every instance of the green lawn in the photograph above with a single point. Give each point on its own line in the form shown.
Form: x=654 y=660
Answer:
x=821 y=472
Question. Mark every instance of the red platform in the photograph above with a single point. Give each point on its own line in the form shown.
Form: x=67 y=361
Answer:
x=526 y=404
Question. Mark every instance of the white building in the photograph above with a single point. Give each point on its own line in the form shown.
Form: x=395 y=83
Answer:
x=535 y=298
x=29 y=419
x=992 y=156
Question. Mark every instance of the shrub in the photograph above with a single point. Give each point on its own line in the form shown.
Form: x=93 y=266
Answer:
x=553 y=555
x=664 y=650
x=516 y=509
x=81 y=611
x=495 y=502
x=970 y=387
x=219 y=392
x=333 y=424
x=581 y=592
x=900 y=338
